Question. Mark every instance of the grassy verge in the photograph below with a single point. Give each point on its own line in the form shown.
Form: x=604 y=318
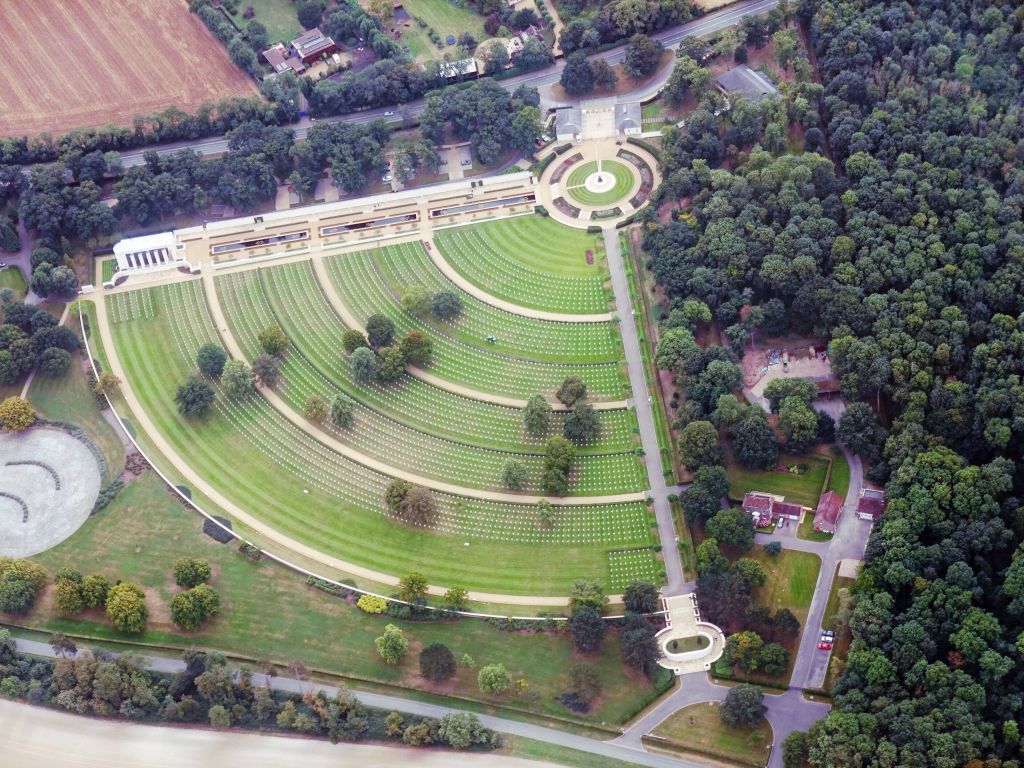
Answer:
x=270 y=613
x=529 y=749
x=806 y=529
x=638 y=298
x=11 y=277
x=841 y=647
x=698 y=729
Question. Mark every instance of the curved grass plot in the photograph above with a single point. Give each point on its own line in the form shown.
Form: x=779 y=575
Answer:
x=599 y=182
x=358 y=280
x=532 y=261
x=466 y=462
x=266 y=465
x=409 y=264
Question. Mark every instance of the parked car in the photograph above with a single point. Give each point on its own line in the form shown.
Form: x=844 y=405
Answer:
x=467 y=162
x=828 y=633
x=388 y=177
x=3 y=265
x=824 y=646
x=826 y=639
x=389 y=113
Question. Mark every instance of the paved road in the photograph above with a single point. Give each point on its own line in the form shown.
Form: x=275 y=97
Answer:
x=56 y=739
x=645 y=415
x=540 y=79
x=422 y=709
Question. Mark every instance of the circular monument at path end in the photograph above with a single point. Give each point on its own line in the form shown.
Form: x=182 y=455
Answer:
x=49 y=481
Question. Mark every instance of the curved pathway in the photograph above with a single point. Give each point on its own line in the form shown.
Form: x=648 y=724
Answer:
x=516 y=309
x=339 y=306
x=167 y=451
x=231 y=344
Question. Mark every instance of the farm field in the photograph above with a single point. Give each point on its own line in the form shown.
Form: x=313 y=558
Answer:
x=358 y=280
x=261 y=461
x=531 y=261
x=113 y=61
x=270 y=613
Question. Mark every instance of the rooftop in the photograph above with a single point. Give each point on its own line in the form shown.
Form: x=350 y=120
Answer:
x=830 y=506
x=757 y=501
x=311 y=42
x=745 y=81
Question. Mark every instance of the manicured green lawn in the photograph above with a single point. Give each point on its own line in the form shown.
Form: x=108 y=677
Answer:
x=266 y=465
x=278 y=16
x=358 y=280
x=269 y=613
x=806 y=530
x=531 y=261
x=803 y=489
x=698 y=728
x=577 y=178
x=446 y=19
x=68 y=398
x=791 y=579
x=409 y=434
x=11 y=277
x=839 y=479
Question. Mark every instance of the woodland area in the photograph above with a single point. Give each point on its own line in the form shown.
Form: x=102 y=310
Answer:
x=898 y=238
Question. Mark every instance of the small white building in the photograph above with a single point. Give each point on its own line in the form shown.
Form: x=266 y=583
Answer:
x=148 y=253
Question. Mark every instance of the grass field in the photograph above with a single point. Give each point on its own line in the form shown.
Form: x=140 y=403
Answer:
x=358 y=279
x=619 y=171
x=278 y=16
x=269 y=613
x=698 y=728
x=113 y=61
x=791 y=579
x=532 y=261
x=841 y=647
x=446 y=19
x=11 y=277
x=471 y=461
x=266 y=465
x=839 y=478
x=409 y=265
x=803 y=489
x=806 y=529
x=68 y=398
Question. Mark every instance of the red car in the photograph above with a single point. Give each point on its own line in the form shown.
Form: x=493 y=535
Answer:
x=824 y=646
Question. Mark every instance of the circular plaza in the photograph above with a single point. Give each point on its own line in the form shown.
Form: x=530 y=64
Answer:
x=597 y=182
x=49 y=481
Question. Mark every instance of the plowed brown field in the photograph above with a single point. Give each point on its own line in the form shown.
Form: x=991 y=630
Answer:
x=87 y=63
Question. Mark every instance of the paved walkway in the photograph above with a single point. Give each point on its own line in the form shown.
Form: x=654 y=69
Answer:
x=615 y=749
x=346 y=450
x=645 y=415
x=143 y=421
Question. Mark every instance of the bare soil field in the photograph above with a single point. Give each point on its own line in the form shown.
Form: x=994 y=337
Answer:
x=88 y=63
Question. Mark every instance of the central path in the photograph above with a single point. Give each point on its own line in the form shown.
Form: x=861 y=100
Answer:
x=644 y=414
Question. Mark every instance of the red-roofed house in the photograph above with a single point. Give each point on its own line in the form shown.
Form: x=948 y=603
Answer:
x=871 y=504
x=280 y=61
x=759 y=506
x=787 y=510
x=826 y=516
x=312 y=45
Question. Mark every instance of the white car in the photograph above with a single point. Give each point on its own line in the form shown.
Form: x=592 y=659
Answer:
x=388 y=177
x=389 y=113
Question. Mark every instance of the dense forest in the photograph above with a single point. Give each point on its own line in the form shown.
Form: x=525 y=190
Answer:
x=898 y=238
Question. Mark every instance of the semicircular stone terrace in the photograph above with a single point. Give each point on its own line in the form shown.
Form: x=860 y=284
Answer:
x=263 y=462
